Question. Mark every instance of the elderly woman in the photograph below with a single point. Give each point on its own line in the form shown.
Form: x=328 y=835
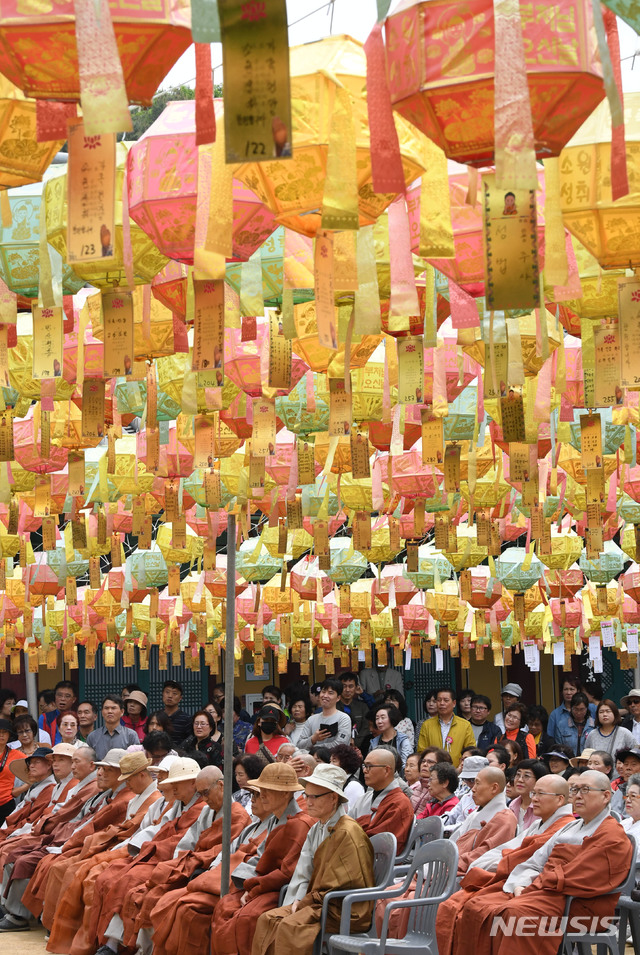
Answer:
x=337 y=854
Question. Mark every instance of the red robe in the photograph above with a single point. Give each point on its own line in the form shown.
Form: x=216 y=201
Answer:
x=234 y=924
x=587 y=871
x=394 y=814
x=474 y=843
x=182 y=919
x=30 y=812
x=478 y=879
x=40 y=827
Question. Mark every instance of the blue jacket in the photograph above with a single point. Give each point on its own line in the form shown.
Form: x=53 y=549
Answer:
x=490 y=732
x=567 y=733
x=559 y=721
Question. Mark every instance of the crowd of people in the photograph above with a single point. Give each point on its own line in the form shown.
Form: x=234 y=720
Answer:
x=111 y=834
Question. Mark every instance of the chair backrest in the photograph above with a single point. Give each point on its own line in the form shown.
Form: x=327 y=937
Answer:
x=384 y=856
x=423 y=831
x=435 y=866
x=630 y=881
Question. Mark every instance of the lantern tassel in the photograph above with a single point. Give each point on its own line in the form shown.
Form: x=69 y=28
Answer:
x=619 y=174
x=205 y=111
x=386 y=163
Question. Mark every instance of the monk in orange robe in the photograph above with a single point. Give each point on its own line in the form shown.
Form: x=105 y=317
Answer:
x=384 y=807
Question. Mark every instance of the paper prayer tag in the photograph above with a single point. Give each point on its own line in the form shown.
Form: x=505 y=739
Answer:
x=117 y=312
x=510 y=247
x=91 y=196
x=48 y=341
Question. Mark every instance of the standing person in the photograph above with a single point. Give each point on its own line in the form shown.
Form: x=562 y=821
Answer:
x=515 y=717
x=64 y=698
x=387 y=718
x=135 y=713
x=206 y=737
x=7 y=779
x=301 y=710
x=608 y=734
x=465 y=698
x=241 y=727
x=631 y=702
x=405 y=726
x=446 y=730
x=46 y=701
x=538 y=722
x=560 y=716
x=512 y=693
x=330 y=727
x=68 y=726
x=7 y=702
x=180 y=721
x=375 y=680
x=87 y=717
x=267 y=736
x=113 y=735
x=484 y=729
x=351 y=704
x=573 y=732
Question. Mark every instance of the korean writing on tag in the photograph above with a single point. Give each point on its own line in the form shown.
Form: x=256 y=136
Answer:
x=608 y=637
x=208 y=327
x=294 y=514
x=519 y=462
x=117 y=310
x=410 y=370
x=497 y=388
x=360 y=464
x=607 y=374
x=591 y=441
x=76 y=473
x=47 y=342
x=6 y=436
x=257 y=99
x=91 y=196
x=205 y=442
x=263 y=441
x=339 y=408
x=512 y=276
x=594 y=542
x=93 y=408
x=452 y=467
x=306 y=461
x=595 y=486
x=629 y=329
x=324 y=290
x=279 y=355
x=512 y=413
x=432 y=437
x=632 y=639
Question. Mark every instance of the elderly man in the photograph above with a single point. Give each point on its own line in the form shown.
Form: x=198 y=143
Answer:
x=587 y=859
x=446 y=730
x=109 y=810
x=122 y=877
x=550 y=807
x=22 y=861
x=489 y=824
x=383 y=807
x=257 y=883
x=182 y=920
x=59 y=758
x=36 y=771
x=195 y=852
x=67 y=904
x=336 y=855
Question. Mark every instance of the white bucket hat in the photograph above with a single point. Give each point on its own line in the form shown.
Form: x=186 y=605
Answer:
x=328 y=777
x=181 y=771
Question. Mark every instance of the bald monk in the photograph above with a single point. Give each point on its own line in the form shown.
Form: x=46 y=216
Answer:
x=383 y=807
x=114 y=884
x=257 y=887
x=550 y=804
x=181 y=921
x=69 y=892
x=111 y=811
x=489 y=824
x=196 y=851
x=587 y=859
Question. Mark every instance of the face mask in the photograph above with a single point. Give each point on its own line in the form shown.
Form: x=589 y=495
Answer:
x=268 y=726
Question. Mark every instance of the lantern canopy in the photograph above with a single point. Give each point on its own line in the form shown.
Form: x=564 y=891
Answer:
x=38 y=51
x=440 y=64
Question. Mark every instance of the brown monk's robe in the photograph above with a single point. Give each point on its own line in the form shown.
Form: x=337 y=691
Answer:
x=587 y=871
x=40 y=826
x=69 y=894
x=120 y=878
x=181 y=920
x=343 y=861
x=136 y=911
x=475 y=879
x=474 y=843
x=234 y=924
x=394 y=814
x=109 y=813
x=28 y=812
x=26 y=853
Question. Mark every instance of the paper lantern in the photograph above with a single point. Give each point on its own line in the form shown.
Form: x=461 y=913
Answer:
x=306 y=577
x=287 y=262
x=347 y=564
x=162 y=180
x=430 y=561
x=38 y=50
x=147 y=259
x=20 y=245
x=255 y=563
x=392 y=582
x=599 y=289
x=245 y=362
x=517 y=570
x=609 y=230
x=296 y=411
x=294 y=189
x=485 y=589
x=604 y=568
x=22 y=158
x=440 y=62
x=566 y=547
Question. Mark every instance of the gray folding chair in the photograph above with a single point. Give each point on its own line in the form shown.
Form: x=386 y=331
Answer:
x=630 y=915
x=434 y=867
x=613 y=941
x=423 y=832
x=384 y=853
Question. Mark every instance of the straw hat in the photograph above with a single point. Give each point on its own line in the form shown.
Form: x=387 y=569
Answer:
x=328 y=777
x=181 y=771
x=278 y=776
x=582 y=758
x=138 y=697
x=112 y=758
x=20 y=767
x=62 y=749
x=131 y=763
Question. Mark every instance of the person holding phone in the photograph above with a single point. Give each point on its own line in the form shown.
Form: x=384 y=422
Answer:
x=330 y=727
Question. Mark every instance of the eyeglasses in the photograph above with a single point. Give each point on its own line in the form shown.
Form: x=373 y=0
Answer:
x=575 y=790
x=535 y=792
x=367 y=766
x=24 y=732
x=632 y=796
x=476 y=706
x=200 y=726
x=313 y=798
x=524 y=775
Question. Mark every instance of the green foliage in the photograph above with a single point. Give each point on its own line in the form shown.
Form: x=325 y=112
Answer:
x=142 y=117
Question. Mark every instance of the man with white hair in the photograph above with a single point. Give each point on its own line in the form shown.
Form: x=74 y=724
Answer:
x=586 y=859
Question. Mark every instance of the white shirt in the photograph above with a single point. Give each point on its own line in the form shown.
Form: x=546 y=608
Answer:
x=302 y=875
x=490 y=860
x=140 y=799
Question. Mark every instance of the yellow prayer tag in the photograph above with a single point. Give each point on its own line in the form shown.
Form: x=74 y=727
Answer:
x=91 y=196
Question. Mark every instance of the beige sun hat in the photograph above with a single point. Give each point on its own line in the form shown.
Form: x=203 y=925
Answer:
x=278 y=776
x=328 y=777
x=62 y=749
x=181 y=771
x=112 y=759
x=132 y=763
